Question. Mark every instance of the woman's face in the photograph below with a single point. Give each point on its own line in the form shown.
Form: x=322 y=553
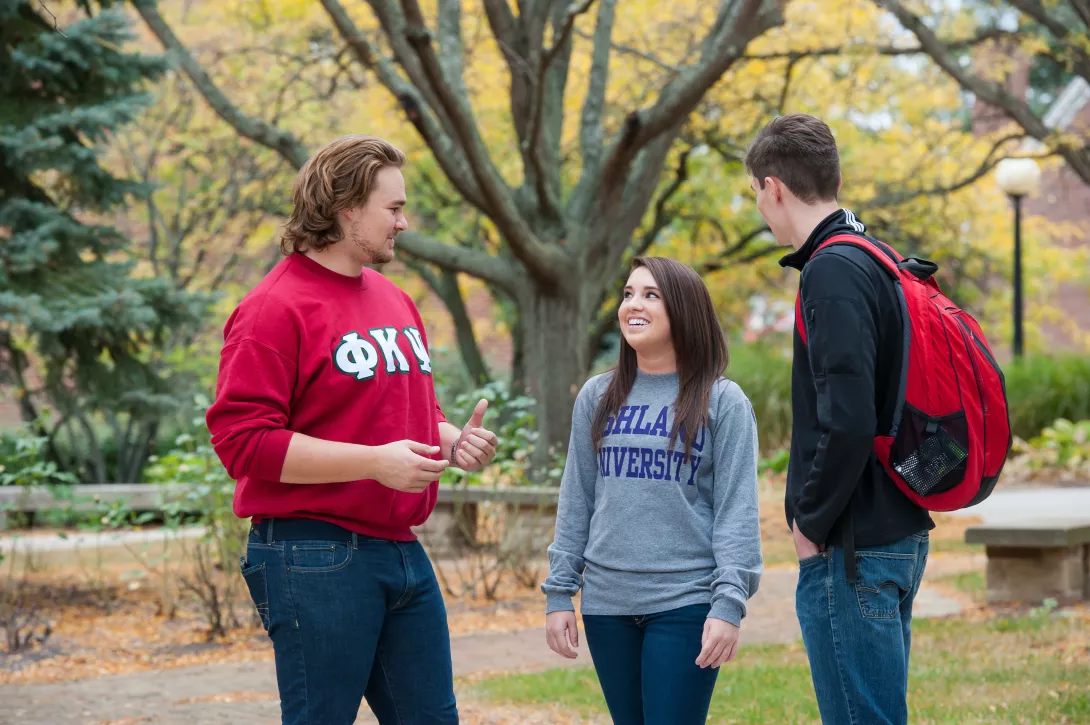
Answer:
x=642 y=314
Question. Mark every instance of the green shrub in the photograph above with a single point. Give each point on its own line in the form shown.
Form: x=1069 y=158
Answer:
x=763 y=371
x=1063 y=446
x=1041 y=390
x=512 y=418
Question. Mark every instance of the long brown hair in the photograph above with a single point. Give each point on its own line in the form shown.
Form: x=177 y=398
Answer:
x=339 y=176
x=699 y=347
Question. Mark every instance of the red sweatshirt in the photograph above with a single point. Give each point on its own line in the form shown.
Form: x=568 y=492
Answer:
x=334 y=357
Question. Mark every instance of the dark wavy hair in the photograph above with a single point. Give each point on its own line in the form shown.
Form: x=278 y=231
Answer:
x=339 y=176
x=699 y=346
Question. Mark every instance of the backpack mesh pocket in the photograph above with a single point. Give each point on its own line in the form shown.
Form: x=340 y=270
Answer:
x=930 y=453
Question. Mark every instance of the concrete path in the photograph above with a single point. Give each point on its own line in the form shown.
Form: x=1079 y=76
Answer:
x=246 y=692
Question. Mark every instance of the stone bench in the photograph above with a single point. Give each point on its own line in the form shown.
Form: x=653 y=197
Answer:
x=1033 y=560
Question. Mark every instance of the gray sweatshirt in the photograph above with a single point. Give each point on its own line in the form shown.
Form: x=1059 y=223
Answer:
x=642 y=530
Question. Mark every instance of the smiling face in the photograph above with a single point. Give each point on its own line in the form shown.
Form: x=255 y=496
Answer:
x=642 y=314
x=371 y=227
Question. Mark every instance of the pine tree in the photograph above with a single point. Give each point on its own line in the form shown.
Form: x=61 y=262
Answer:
x=81 y=330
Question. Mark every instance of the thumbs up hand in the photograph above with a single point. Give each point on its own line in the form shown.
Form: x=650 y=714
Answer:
x=476 y=447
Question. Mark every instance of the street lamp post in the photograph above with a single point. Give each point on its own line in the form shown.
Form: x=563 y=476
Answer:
x=1017 y=178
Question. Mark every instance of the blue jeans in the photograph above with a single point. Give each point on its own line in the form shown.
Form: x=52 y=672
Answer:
x=858 y=636
x=352 y=619
x=647 y=666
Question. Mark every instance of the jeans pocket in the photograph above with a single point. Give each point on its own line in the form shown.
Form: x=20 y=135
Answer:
x=316 y=557
x=882 y=581
x=257 y=583
x=820 y=556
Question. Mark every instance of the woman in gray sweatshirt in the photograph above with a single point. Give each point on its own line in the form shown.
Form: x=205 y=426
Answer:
x=658 y=521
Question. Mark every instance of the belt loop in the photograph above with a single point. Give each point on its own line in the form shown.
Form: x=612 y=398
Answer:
x=355 y=541
x=269 y=532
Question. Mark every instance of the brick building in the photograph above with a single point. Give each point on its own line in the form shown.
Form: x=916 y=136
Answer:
x=1061 y=195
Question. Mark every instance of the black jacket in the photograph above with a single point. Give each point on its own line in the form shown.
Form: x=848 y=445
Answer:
x=844 y=384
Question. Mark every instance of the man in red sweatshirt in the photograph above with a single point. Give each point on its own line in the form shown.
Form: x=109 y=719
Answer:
x=326 y=416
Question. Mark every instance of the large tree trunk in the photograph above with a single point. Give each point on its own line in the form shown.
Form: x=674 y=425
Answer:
x=554 y=329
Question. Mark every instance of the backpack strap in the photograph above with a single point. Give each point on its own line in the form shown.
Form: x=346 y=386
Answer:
x=885 y=255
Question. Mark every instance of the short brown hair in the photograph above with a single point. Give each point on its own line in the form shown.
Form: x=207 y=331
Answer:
x=339 y=176
x=799 y=150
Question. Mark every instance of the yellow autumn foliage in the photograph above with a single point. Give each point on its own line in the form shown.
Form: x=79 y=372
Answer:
x=902 y=126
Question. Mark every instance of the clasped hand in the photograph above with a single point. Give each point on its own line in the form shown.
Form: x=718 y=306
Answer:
x=407 y=465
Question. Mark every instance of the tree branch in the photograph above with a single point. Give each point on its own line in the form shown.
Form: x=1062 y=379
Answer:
x=445 y=286
x=662 y=218
x=471 y=261
x=249 y=127
x=547 y=263
x=1082 y=7
x=590 y=122
x=628 y=50
x=546 y=184
x=637 y=193
x=414 y=102
x=1077 y=158
x=979 y=37
x=1080 y=59
x=719 y=261
x=575 y=10
x=986 y=165
x=737 y=23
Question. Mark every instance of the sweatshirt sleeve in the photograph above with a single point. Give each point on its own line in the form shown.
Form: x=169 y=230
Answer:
x=574 y=509
x=840 y=305
x=736 y=528
x=248 y=420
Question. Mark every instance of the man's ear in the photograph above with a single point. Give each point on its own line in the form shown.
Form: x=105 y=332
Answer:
x=775 y=187
x=839 y=185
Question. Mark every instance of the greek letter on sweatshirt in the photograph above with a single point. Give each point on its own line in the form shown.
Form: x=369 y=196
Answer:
x=642 y=530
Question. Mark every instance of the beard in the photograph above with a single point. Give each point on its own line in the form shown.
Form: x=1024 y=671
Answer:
x=373 y=253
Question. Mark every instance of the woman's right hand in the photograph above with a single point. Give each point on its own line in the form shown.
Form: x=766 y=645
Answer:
x=562 y=633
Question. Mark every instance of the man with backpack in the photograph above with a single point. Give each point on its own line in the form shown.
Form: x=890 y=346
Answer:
x=898 y=408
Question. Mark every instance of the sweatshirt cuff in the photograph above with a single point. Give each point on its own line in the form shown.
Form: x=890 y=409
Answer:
x=558 y=603
x=814 y=536
x=269 y=460
x=728 y=610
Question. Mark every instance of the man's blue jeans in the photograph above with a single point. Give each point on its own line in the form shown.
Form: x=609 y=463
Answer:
x=858 y=636
x=349 y=619
x=647 y=666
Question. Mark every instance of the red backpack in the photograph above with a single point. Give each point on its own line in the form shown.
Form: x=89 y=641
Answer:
x=951 y=430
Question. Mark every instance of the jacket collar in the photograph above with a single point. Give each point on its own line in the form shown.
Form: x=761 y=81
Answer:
x=841 y=221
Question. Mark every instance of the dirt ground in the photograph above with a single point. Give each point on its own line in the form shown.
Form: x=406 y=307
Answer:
x=107 y=644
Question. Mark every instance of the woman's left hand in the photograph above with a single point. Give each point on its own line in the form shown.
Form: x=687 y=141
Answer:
x=720 y=643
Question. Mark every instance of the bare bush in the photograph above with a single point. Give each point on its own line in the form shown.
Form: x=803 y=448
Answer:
x=21 y=616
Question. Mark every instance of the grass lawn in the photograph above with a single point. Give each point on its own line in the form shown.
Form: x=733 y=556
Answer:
x=1032 y=668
